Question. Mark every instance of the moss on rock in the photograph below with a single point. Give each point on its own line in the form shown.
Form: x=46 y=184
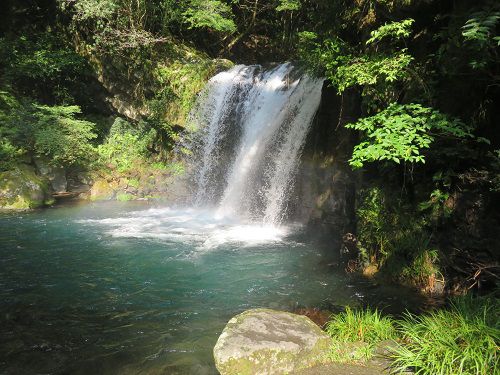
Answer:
x=22 y=189
x=102 y=190
x=263 y=341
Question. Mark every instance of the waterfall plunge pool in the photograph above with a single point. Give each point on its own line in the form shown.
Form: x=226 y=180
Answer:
x=123 y=288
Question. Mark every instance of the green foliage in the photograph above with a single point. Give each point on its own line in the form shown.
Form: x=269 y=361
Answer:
x=10 y=149
x=133 y=182
x=345 y=69
x=401 y=132
x=461 y=340
x=320 y=55
x=9 y=154
x=480 y=34
x=181 y=81
x=54 y=132
x=393 y=30
x=436 y=204
x=373 y=225
x=423 y=269
x=481 y=27
x=365 y=325
x=397 y=239
x=112 y=25
x=60 y=136
x=366 y=328
x=175 y=168
x=126 y=146
x=172 y=14
x=96 y=10
x=390 y=70
x=43 y=66
x=210 y=14
x=288 y=5
x=124 y=197
x=370 y=70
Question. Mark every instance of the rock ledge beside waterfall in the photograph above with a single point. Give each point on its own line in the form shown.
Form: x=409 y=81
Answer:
x=264 y=341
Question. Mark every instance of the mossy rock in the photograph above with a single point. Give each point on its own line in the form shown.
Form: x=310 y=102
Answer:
x=102 y=190
x=22 y=189
x=264 y=341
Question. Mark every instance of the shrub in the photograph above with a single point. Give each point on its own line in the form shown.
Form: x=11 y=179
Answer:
x=43 y=66
x=126 y=146
x=401 y=133
x=395 y=238
x=124 y=197
x=62 y=137
x=55 y=132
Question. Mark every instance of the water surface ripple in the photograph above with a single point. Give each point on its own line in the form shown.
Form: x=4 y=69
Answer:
x=126 y=289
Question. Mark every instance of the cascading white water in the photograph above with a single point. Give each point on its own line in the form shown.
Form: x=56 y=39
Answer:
x=254 y=123
x=285 y=161
x=212 y=110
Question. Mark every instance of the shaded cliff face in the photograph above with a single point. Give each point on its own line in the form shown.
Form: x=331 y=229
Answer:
x=324 y=193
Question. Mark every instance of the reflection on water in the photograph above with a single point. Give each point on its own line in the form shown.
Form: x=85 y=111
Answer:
x=125 y=289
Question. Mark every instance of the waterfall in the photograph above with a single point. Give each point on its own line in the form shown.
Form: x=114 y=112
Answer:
x=253 y=124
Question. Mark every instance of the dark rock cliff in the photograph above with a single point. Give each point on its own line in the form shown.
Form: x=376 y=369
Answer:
x=324 y=191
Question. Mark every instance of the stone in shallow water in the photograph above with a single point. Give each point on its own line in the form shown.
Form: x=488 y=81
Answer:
x=263 y=341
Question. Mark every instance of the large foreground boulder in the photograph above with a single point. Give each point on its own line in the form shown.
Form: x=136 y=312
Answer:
x=263 y=341
x=22 y=189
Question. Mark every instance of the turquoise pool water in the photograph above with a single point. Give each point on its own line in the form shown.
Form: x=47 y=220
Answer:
x=126 y=288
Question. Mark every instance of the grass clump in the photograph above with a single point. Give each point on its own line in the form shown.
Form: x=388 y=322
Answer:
x=124 y=197
x=355 y=334
x=463 y=339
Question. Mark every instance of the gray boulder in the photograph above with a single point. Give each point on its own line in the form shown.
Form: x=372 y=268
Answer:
x=22 y=189
x=264 y=341
x=55 y=174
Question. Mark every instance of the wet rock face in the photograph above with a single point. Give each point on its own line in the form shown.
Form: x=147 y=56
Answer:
x=324 y=188
x=22 y=189
x=103 y=190
x=263 y=341
x=55 y=174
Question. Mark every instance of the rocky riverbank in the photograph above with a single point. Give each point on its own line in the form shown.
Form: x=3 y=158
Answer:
x=30 y=186
x=264 y=341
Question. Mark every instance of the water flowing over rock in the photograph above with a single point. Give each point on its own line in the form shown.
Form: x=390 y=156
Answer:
x=263 y=341
x=253 y=123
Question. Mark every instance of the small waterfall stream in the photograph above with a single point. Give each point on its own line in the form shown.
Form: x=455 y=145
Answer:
x=253 y=123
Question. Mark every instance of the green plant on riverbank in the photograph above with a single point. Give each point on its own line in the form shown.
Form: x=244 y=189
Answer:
x=396 y=240
x=356 y=333
x=461 y=339
x=126 y=146
x=31 y=130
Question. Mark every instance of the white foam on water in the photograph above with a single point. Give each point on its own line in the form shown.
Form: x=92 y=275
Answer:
x=252 y=125
x=200 y=228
